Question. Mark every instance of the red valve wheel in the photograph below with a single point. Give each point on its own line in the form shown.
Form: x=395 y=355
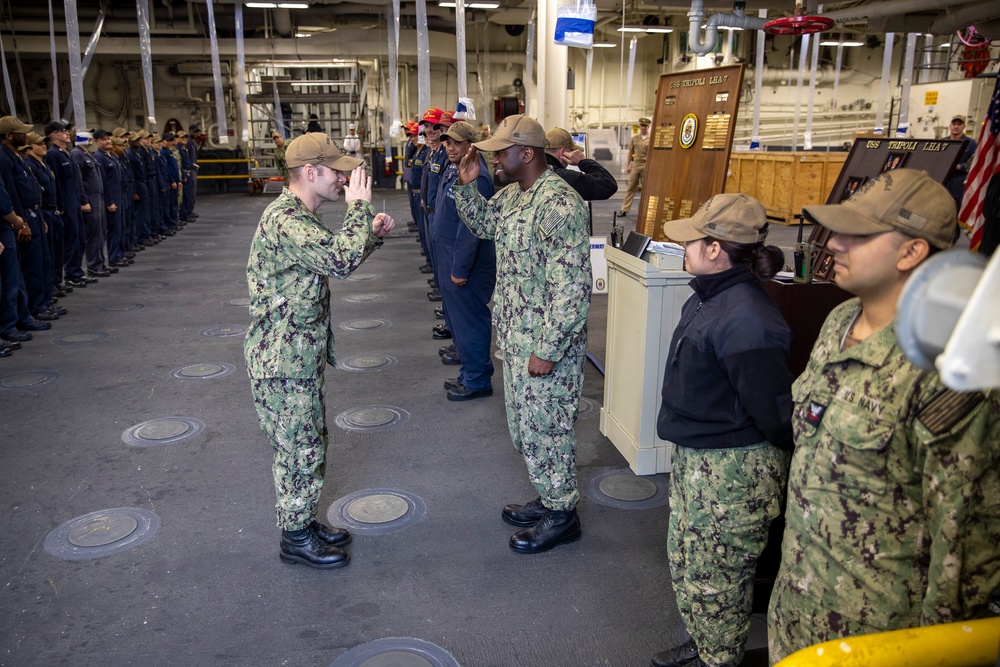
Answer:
x=798 y=25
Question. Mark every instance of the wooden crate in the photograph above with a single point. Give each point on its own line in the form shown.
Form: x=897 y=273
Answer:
x=784 y=182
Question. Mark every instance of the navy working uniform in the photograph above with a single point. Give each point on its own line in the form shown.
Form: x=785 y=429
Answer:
x=94 y=220
x=26 y=200
x=461 y=255
x=113 y=194
x=70 y=195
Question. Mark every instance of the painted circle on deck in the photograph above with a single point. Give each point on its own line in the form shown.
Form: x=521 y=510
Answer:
x=378 y=508
x=363 y=298
x=149 y=284
x=376 y=511
x=172 y=269
x=362 y=277
x=364 y=325
x=206 y=371
x=163 y=431
x=190 y=253
x=368 y=362
x=626 y=486
x=224 y=331
x=76 y=339
x=396 y=652
x=243 y=303
x=372 y=418
x=98 y=531
x=122 y=307
x=27 y=379
x=603 y=484
x=101 y=533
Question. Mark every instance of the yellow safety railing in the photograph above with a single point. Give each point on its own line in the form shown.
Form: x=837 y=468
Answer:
x=964 y=644
x=207 y=177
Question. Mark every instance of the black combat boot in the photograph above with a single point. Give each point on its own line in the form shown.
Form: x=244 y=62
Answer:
x=303 y=546
x=335 y=537
x=554 y=528
x=524 y=515
x=677 y=656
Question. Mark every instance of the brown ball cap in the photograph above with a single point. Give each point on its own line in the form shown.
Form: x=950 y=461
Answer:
x=316 y=148
x=515 y=130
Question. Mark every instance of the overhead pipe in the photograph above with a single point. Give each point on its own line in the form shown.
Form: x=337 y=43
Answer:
x=963 y=17
x=887 y=8
x=738 y=19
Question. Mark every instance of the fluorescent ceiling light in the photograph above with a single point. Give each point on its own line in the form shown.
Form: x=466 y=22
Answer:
x=262 y=5
x=311 y=84
x=844 y=43
x=604 y=45
x=473 y=5
x=631 y=29
x=303 y=34
x=293 y=5
x=659 y=30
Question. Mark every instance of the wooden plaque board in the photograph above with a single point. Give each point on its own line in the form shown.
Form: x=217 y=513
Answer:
x=871 y=157
x=689 y=144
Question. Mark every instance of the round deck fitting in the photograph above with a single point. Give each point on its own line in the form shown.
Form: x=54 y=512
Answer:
x=622 y=489
x=363 y=298
x=163 y=431
x=396 y=652
x=172 y=269
x=190 y=253
x=204 y=244
x=148 y=284
x=27 y=379
x=101 y=533
x=224 y=331
x=364 y=325
x=243 y=303
x=372 y=418
x=368 y=362
x=76 y=339
x=587 y=408
x=206 y=371
x=122 y=307
x=376 y=511
x=361 y=277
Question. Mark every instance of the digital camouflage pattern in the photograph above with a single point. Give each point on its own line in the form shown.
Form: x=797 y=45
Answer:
x=292 y=415
x=540 y=306
x=893 y=515
x=722 y=502
x=542 y=296
x=289 y=342
x=291 y=255
x=279 y=163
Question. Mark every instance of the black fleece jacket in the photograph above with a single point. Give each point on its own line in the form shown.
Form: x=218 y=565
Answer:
x=726 y=382
x=593 y=182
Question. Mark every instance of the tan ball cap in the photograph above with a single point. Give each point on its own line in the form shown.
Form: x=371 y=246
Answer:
x=461 y=131
x=316 y=148
x=33 y=139
x=904 y=200
x=515 y=130
x=559 y=138
x=726 y=217
x=11 y=124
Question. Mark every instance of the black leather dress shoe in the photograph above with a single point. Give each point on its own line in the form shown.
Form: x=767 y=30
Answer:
x=463 y=393
x=450 y=360
x=111 y=269
x=554 y=528
x=88 y=279
x=10 y=344
x=447 y=349
x=5 y=351
x=76 y=282
x=335 y=537
x=98 y=274
x=59 y=310
x=677 y=656
x=441 y=334
x=45 y=316
x=16 y=336
x=34 y=325
x=303 y=546
x=452 y=383
x=426 y=268
x=527 y=514
x=434 y=295
x=439 y=313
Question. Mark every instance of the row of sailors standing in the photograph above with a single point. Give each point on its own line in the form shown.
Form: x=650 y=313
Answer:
x=463 y=267
x=72 y=214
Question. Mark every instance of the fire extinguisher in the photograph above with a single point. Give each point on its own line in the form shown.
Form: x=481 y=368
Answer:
x=388 y=165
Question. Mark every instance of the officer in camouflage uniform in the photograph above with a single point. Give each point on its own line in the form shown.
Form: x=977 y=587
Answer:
x=541 y=303
x=894 y=486
x=289 y=342
x=279 y=156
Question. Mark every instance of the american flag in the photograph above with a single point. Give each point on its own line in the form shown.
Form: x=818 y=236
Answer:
x=985 y=163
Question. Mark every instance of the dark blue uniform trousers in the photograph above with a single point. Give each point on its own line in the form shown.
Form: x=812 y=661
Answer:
x=468 y=316
x=73 y=242
x=35 y=269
